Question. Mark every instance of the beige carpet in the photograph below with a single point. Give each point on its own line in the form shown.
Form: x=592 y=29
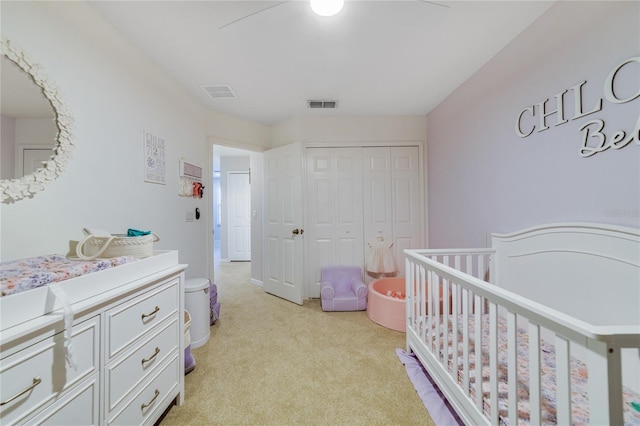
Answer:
x=272 y=362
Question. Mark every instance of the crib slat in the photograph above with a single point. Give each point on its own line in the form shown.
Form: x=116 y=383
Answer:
x=512 y=365
x=493 y=363
x=457 y=266
x=418 y=320
x=563 y=380
x=605 y=363
x=447 y=319
x=465 y=341
x=534 y=373
x=454 y=328
x=409 y=284
x=410 y=289
x=478 y=352
x=426 y=327
x=435 y=340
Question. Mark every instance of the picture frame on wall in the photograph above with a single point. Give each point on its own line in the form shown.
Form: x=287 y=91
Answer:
x=155 y=164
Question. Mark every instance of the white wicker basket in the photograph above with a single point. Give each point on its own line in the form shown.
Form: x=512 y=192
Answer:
x=93 y=247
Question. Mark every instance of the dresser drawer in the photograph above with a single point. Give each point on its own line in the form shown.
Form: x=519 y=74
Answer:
x=77 y=408
x=130 y=321
x=36 y=375
x=122 y=375
x=149 y=403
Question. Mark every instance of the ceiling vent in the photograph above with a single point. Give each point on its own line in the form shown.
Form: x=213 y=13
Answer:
x=322 y=104
x=218 y=91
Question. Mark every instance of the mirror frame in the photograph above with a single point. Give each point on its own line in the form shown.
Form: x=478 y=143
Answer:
x=12 y=190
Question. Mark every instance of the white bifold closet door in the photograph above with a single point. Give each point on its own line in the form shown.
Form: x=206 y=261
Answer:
x=392 y=198
x=334 y=213
x=354 y=195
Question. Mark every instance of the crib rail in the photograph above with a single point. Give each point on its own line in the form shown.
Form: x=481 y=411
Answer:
x=454 y=287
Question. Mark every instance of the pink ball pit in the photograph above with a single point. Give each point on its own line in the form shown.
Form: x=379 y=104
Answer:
x=389 y=311
x=385 y=310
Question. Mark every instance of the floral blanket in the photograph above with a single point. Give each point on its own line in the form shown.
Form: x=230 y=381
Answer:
x=25 y=274
x=579 y=376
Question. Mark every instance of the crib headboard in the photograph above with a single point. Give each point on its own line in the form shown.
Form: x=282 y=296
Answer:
x=587 y=270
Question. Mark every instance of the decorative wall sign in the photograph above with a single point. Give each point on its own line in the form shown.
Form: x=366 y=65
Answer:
x=190 y=180
x=154 y=159
x=594 y=136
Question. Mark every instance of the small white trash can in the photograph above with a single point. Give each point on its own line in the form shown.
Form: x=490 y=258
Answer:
x=196 y=300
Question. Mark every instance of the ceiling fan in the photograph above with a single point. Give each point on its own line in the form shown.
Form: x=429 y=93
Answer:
x=320 y=7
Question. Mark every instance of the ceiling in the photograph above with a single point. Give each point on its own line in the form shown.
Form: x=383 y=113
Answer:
x=399 y=57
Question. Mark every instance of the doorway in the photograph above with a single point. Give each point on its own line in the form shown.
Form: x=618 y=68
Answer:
x=231 y=209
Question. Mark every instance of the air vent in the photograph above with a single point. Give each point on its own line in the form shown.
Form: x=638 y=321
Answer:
x=322 y=104
x=219 y=91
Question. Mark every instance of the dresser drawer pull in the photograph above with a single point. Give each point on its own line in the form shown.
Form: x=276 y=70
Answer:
x=151 y=358
x=143 y=406
x=36 y=382
x=150 y=314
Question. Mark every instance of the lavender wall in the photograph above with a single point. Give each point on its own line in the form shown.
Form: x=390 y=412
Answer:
x=483 y=178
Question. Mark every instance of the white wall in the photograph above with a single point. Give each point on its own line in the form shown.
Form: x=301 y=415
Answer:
x=323 y=128
x=224 y=129
x=257 y=191
x=483 y=178
x=114 y=94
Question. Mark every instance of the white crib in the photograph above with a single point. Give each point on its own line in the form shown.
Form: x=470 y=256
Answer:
x=540 y=309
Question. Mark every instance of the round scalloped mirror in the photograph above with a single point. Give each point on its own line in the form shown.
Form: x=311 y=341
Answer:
x=46 y=124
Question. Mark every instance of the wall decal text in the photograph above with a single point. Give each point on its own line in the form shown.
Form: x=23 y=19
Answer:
x=594 y=139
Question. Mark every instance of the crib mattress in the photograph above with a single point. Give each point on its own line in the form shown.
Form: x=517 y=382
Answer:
x=579 y=376
x=25 y=274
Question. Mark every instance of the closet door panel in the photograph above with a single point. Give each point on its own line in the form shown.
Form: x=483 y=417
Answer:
x=322 y=215
x=405 y=177
x=380 y=202
x=334 y=207
x=348 y=208
x=378 y=220
x=324 y=255
x=319 y=221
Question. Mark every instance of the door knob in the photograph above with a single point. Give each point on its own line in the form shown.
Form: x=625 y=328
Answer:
x=295 y=231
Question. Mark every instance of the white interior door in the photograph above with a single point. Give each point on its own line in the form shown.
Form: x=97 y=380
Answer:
x=283 y=246
x=239 y=216
x=334 y=211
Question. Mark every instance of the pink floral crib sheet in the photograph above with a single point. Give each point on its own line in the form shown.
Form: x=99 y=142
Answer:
x=24 y=274
x=579 y=376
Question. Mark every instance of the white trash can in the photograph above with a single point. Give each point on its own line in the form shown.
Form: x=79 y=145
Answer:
x=196 y=300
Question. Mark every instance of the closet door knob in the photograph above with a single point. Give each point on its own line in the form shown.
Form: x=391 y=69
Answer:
x=295 y=231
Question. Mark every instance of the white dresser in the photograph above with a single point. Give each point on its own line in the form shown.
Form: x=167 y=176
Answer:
x=126 y=343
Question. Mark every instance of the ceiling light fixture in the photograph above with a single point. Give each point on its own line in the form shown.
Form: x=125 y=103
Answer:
x=327 y=7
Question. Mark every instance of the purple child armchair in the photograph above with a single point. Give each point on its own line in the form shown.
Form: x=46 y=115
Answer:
x=342 y=289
